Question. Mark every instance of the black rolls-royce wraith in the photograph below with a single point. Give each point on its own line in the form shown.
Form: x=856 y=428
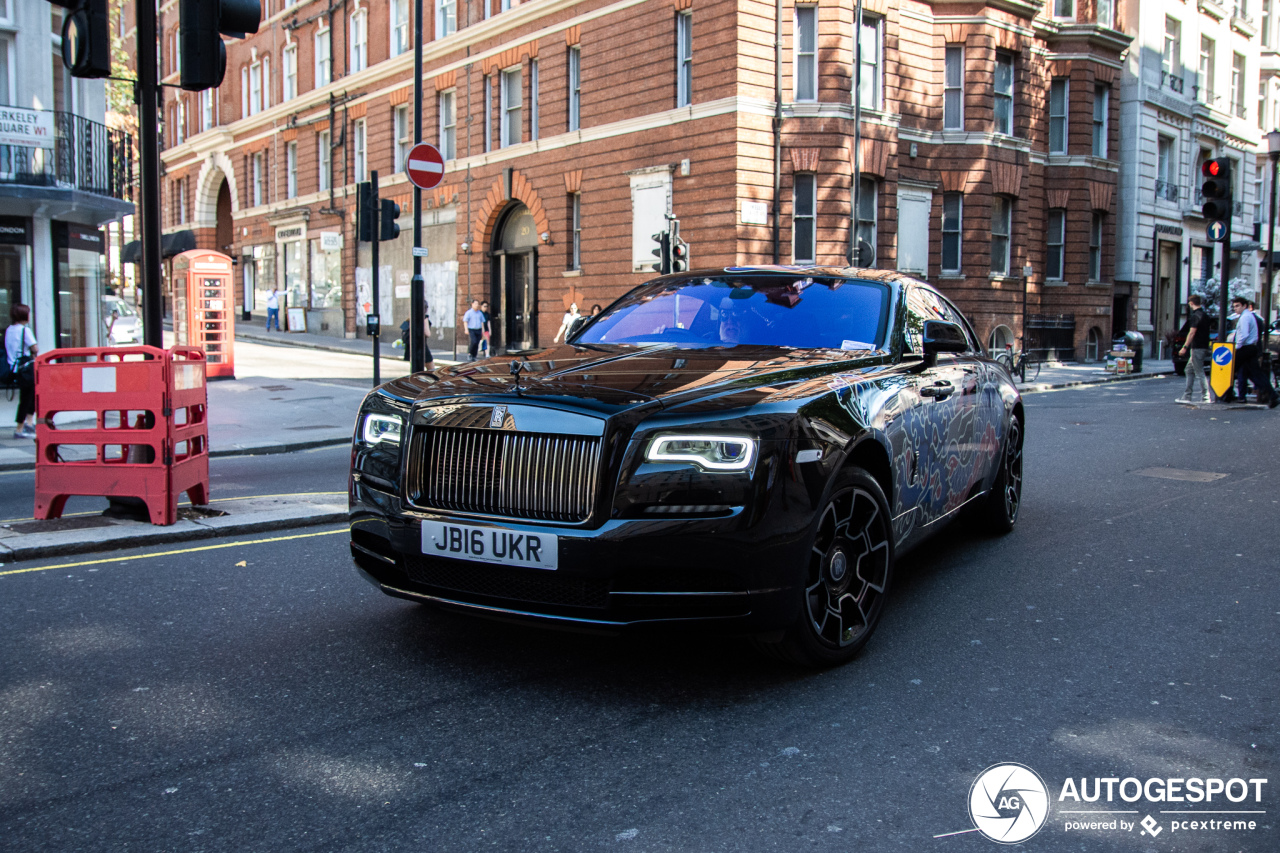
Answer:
x=748 y=449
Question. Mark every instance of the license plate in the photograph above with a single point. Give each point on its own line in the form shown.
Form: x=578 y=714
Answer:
x=491 y=545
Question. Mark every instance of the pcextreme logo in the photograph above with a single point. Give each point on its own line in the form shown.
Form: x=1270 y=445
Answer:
x=1009 y=803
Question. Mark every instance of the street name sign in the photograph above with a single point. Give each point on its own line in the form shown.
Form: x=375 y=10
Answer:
x=424 y=166
x=1216 y=231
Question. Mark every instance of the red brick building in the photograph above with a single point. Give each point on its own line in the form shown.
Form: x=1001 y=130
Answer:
x=990 y=141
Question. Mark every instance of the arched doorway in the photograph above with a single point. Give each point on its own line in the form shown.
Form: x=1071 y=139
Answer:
x=514 y=288
x=1000 y=338
x=223 y=230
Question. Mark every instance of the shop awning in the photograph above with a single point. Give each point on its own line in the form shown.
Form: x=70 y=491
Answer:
x=170 y=245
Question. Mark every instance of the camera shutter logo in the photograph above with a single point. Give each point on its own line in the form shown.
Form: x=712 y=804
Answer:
x=1008 y=803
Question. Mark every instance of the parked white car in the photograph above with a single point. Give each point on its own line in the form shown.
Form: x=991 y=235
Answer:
x=127 y=328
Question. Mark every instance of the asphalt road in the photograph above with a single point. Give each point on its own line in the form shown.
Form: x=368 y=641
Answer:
x=322 y=469
x=257 y=695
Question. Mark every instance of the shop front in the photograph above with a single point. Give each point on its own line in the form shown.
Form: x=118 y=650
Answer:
x=80 y=275
x=15 y=264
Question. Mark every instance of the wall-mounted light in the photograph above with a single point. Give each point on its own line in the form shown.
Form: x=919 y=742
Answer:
x=546 y=237
x=1147 y=255
x=466 y=248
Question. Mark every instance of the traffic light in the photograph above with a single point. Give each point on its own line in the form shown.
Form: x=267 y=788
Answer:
x=1217 y=192
x=365 y=212
x=388 y=212
x=679 y=255
x=202 y=24
x=663 y=252
x=86 y=37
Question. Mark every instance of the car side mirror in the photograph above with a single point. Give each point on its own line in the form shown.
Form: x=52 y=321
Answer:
x=941 y=336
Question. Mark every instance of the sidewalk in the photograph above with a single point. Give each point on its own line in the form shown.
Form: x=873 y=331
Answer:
x=330 y=343
x=1055 y=375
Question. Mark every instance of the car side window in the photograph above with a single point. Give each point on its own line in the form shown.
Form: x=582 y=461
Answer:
x=935 y=307
x=969 y=333
x=917 y=313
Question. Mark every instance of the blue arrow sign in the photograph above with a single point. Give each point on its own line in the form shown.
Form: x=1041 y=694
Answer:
x=1222 y=356
x=1216 y=231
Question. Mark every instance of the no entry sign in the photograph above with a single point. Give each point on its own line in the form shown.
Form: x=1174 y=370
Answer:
x=424 y=166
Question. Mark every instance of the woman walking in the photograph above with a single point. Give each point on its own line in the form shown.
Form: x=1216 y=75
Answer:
x=20 y=341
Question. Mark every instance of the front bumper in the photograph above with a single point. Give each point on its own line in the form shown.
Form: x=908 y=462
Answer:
x=710 y=573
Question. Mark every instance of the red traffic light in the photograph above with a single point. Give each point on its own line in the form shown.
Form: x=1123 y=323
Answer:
x=1211 y=168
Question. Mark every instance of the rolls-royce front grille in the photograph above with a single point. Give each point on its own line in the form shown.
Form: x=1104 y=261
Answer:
x=537 y=476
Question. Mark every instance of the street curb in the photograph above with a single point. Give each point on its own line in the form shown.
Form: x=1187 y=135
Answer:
x=180 y=532
x=1033 y=388
x=284 y=342
x=265 y=449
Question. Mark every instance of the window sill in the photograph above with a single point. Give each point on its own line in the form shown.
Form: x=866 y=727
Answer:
x=1056 y=282
x=1002 y=278
x=571 y=273
x=1097 y=284
x=955 y=275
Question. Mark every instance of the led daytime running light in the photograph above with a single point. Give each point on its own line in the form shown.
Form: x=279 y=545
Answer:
x=380 y=428
x=708 y=452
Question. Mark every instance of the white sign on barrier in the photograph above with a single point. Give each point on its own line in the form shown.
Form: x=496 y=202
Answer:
x=98 y=380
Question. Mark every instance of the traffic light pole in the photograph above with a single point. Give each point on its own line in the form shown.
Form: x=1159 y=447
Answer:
x=373 y=213
x=1225 y=279
x=417 y=297
x=146 y=95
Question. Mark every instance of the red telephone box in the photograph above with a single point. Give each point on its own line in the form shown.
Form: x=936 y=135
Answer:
x=203 y=315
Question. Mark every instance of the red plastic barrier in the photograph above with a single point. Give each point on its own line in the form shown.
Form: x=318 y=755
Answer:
x=150 y=436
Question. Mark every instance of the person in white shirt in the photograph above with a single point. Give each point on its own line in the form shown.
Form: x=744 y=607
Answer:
x=474 y=321
x=19 y=340
x=273 y=308
x=566 y=323
x=1248 y=368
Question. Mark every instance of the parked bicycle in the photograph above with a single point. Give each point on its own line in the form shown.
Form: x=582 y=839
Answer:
x=1024 y=365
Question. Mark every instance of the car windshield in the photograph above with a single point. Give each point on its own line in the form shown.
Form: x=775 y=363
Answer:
x=124 y=308
x=804 y=312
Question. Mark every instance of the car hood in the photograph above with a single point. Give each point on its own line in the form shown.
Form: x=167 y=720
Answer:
x=611 y=378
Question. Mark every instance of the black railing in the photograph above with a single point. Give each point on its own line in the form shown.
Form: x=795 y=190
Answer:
x=1167 y=190
x=86 y=155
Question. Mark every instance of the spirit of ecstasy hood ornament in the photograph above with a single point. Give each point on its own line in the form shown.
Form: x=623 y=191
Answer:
x=516 y=367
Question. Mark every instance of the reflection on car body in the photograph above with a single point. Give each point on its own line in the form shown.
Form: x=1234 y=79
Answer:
x=748 y=450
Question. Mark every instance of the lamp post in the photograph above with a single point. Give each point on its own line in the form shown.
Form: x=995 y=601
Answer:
x=1273 y=148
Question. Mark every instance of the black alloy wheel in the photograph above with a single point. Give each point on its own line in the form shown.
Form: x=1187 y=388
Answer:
x=999 y=509
x=847 y=576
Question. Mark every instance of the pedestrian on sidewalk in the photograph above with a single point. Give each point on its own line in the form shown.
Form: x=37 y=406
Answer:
x=1197 y=350
x=566 y=323
x=1249 y=369
x=273 y=308
x=19 y=342
x=486 y=334
x=474 y=322
x=428 y=360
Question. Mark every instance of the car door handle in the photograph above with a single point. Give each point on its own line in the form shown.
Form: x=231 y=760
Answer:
x=938 y=389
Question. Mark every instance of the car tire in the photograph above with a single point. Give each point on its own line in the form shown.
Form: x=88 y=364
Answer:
x=846 y=578
x=998 y=510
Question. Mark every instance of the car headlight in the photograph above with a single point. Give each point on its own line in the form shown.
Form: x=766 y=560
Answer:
x=380 y=428
x=709 y=452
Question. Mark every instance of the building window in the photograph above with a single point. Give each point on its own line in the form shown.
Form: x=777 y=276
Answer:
x=1058 y=101
x=255 y=88
x=1004 y=92
x=180 y=124
x=806 y=63
x=1064 y=9
x=206 y=110
x=399 y=26
x=180 y=191
x=575 y=211
x=323 y=154
x=1205 y=83
x=1055 y=261
x=291 y=170
x=360 y=149
x=6 y=73
x=487 y=126
x=1166 y=169
x=952 y=218
x=684 y=59
x=804 y=247
x=359 y=40
x=1262 y=105
x=1001 y=227
x=259 y=180
x=1101 y=105
x=289 y=85
x=870 y=81
x=1171 y=59
x=533 y=99
x=575 y=87
x=953 y=89
x=448 y=126
x=1238 y=108
x=1266 y=23
x=1095 y=247
x=446 y=18
x=865 y=244
x=404 y=136
x=324 y=62
x=511 y=131
x=1106 y=14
